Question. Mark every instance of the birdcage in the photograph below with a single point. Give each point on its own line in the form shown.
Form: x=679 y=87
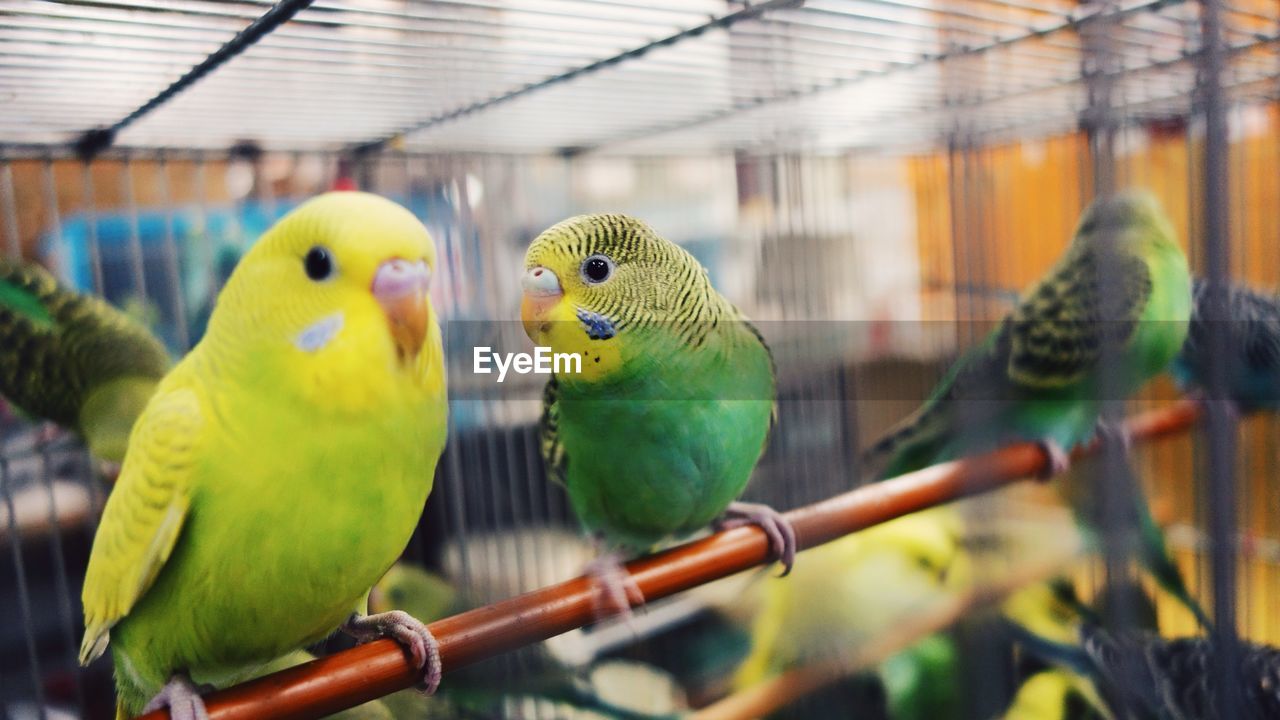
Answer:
x=874 y=182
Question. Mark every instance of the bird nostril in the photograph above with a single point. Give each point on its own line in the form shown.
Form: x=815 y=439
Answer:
x=537 y=273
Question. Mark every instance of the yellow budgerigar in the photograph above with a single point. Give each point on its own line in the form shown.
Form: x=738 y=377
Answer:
x=849 y=591
x=281 y=467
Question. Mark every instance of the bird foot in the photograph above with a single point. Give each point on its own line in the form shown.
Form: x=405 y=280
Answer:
x=1059 y=460
x=182 y=698
x=1110 y=433
x=616 y=592
x=1230 y=408
x=407 y=630
x=47 y=434
x=109 y=471
x=782 y=536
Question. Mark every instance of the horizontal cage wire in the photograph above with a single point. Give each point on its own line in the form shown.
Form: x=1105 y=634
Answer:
x=875 y=183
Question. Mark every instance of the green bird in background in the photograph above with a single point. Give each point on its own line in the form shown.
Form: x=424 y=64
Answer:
x=658 y=434
x=74 y=360
x=852 y=592
x=1039 y=376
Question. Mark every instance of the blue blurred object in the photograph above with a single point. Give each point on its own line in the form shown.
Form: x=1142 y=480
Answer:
x=207 y=244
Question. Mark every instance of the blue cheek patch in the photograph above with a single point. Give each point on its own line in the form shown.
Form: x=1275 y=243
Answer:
x=598 y=327
x=319 y=333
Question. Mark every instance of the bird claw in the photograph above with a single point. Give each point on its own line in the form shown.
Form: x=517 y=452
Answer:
x=182 y=698
x=47 y=434
x=1230 y=408
x=616 y=592
x=782 y=535
x=1059 y=460
x=109 y=471
x=411 y=633
x=1114 y=433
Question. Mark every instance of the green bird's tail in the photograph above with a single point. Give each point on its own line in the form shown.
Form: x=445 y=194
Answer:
x=1152 y=551
x=73 y=359
x=913 y=444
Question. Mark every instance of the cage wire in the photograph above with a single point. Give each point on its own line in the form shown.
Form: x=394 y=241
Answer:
x=873 y=181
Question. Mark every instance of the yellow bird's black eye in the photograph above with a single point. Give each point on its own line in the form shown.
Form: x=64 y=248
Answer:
x=318 y=263
x=596 y=269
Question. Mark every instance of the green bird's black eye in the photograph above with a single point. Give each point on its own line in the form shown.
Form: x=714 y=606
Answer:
x=596 y=269
x=318 y=263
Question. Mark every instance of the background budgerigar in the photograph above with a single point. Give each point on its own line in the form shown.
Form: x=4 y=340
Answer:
x=1131 y=673
x=847 y=593
x=658 y=435
x=1039 y=375
x=1253 y=336
x=281 y=467
x=73 y=359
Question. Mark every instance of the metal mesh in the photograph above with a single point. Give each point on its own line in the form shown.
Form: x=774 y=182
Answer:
x=874 y=181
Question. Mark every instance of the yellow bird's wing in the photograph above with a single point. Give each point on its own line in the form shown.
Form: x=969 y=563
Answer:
x=143 y=516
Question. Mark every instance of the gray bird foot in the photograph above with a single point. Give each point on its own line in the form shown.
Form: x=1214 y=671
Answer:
x=182 y=698
x=1110 y=433
x=407 y=630
x=47 y=434
x=1059 y=460
x=1230 y=408
x=109 y=471
x=616 y=592
x=782 y=536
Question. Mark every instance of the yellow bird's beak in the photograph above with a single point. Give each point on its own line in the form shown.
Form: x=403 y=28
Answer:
x=400 y=287
x=542 y=292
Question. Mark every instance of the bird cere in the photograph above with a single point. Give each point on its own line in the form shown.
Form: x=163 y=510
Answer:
x=541 y=362
x=877 y=359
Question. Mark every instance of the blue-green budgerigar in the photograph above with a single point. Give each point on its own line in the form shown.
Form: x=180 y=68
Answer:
x=657 y=435
x=1135 y=672
x=73 y=359
x=281 y=467
x=1039 y=375
x=1253 y=342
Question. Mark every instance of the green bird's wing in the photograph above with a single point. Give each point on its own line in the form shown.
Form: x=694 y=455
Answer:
x=773 y=369
x=553 y=455
x=1058 y=333
x=143 y=516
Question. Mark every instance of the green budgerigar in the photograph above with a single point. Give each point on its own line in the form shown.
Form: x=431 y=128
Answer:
x=656 y=434
x=280 y=468
x=73 y=359
x=1123 y=285
x=1037 y=376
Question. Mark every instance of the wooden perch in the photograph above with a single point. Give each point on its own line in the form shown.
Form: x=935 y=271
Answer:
x=355 y=676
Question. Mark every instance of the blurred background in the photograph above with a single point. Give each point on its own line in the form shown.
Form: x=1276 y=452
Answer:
x=874 y=181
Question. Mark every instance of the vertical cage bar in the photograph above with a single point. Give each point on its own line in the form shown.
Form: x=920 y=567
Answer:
x=91 y=225
x=173 y=271
x=137 y=263
x=49 y=188
x=66 y=612
x=24 y=591
x=8 y=206
x=1220 y=427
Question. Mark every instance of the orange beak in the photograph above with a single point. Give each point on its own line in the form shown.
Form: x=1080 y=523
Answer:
x=542 y=292
x=400 y=287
